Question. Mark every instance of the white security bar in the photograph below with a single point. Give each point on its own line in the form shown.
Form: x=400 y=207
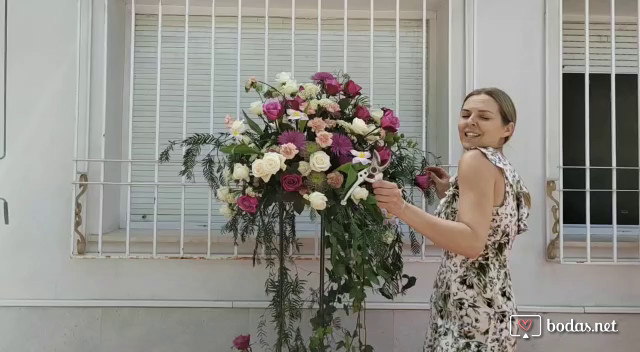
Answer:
x=266 y=40
x=213 y=42
x=638 y=85
x=424 y=102
x=614 y=218
x=293 y=38
x=372 y=16
x=561 y=180
x=103 y=138
x=344 y=38
x=77 y=118
x=130 y=118
x=587 y=158
x=397 y=57
x=184 y=115
x=157 y=140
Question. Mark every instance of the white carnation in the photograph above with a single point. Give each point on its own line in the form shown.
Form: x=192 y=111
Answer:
x=388 y=237
x=226 y=210
x=310 y=91
x=290 y=87
x=223 y=193
x=250 y=192
x=317 y=200
x=324 y=102
x=320 y=161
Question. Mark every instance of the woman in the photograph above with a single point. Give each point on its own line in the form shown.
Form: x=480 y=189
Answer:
x=482 y=209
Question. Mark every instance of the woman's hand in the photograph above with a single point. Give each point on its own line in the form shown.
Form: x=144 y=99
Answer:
x=389 y=196
x=441 y=180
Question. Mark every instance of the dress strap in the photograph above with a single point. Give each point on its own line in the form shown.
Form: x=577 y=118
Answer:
x=523 y=198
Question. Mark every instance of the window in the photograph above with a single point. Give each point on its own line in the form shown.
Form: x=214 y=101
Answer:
x=187 y=74
x=592 y=131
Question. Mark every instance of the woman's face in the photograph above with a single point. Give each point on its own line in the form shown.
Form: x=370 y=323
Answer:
x=480 y=123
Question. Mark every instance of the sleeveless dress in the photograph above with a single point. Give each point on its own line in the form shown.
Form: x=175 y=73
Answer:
x=473 y=299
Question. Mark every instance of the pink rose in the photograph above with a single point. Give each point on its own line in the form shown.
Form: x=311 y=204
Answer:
x=273 y=109
x=389 y=121
x=291 y=182
x=363 y=113
x=352 y=89
x=423 y=181
x=335 y=179
x=248 y=204
x=324 y=139
x=317 y=125
x=333 y=86
x=288 y=150
x=385 y=154
x=333 y=107
x=295 y=103
x=242 y=342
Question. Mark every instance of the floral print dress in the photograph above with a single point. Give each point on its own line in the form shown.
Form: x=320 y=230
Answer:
x=473 y=299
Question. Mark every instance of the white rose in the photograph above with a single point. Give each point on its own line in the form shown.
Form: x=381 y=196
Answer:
x=320 y=161
x=258 y=170
x=359 y=126
x=223 y=193
x=317 y=200
x=290 y=87
x=283 y=77
x=226 y=210
x=360 y=193
x=272 y=162
x=304 y=168
x=377 y=115
x=256 y=107
x=240 y=172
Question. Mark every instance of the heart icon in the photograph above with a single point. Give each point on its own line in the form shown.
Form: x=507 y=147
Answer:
x=525 y=324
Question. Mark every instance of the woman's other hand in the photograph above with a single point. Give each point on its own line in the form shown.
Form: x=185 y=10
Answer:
x=440 y=178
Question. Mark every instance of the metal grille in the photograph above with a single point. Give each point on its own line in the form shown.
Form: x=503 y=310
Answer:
x=184 y=71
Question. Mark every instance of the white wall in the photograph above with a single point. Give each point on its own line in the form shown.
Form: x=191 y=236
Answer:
x=36 y=175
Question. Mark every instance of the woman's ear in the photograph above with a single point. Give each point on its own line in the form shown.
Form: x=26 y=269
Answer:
x=509 y=129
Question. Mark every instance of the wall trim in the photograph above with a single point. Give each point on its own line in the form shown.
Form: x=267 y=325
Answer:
x=88 y=303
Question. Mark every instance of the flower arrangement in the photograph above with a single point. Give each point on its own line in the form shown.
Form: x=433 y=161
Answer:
x=306 y=147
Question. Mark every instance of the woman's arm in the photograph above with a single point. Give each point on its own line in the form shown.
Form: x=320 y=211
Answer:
x=468 y=235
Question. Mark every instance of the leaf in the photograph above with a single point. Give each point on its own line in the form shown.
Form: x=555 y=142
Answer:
x=352 y=176
x=239 y=149
x=372 y=277
x=339 y=269
x=344 y=167
x=254 y=126
x=298 y=205
x=344 y=103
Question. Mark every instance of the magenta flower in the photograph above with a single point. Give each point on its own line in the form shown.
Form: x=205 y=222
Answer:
x=242 y=342
x=248 y=204
x=363 y=113
x=341 y=145
x=295 y=137
x=333 y=86
x=389 y=121
x=385 y=154
x=291 y=182
x=352 y=89
x=273 y=109
x=322 y=76
x=423 y=181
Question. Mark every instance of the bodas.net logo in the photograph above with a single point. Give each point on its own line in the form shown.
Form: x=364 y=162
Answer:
x=525 y=325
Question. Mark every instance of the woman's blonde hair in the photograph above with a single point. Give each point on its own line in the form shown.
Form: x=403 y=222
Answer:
x=505 y=105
